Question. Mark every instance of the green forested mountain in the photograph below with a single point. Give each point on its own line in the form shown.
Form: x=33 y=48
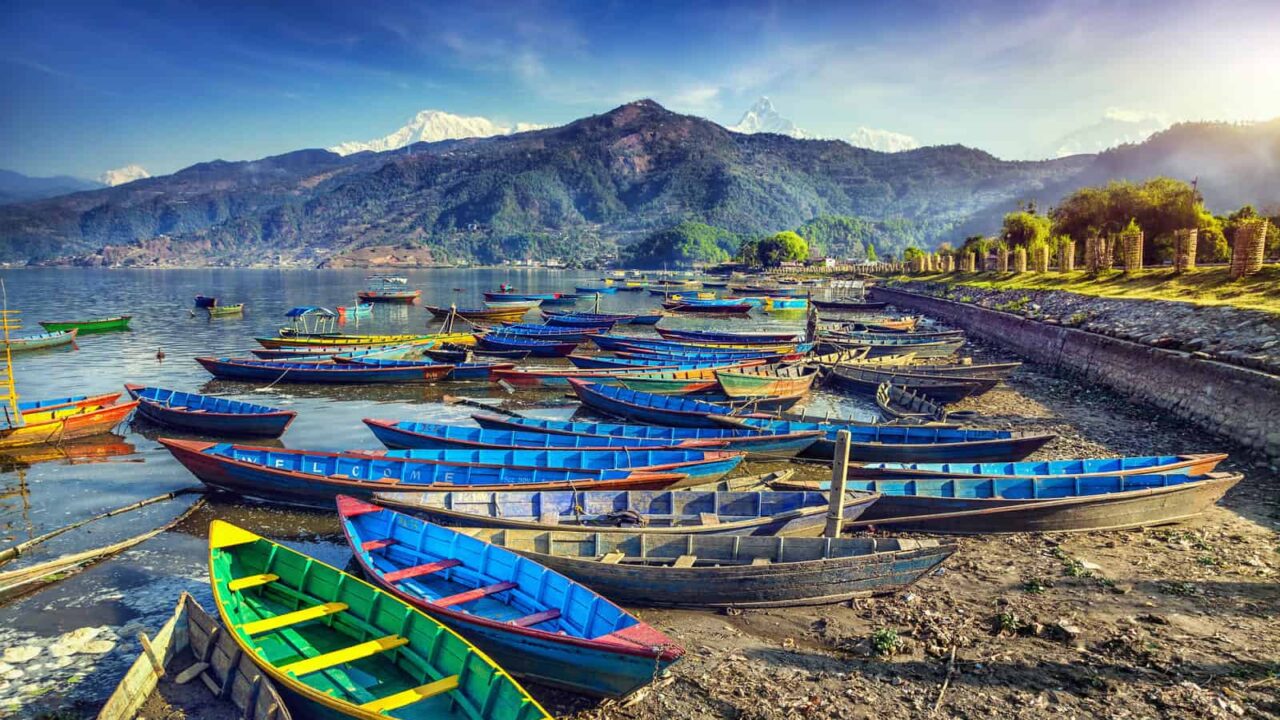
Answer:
x=576 y=192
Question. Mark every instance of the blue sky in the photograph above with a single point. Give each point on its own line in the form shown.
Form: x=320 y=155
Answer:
x=90 y=86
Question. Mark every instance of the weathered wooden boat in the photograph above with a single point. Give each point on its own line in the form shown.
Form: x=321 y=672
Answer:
x=432 y=436
x=563 y=299
x=879 y=325
x=479 y=315
x=725 y=570
x=534 y=346
x=61 y=419
x=847 y=304
x=904 y=443
x=362 y=342
x=392 y=352
x=388 y=289
x=210 y=415
x=900 y=403
x=922 y=349
x=537 y=623
x=226 y=310
x=718 y=307
x=386 y=371
x=459 y=371
x=756 y=444
x=672 y=382
x=998 y=371
x=229 y=674
x=337 y=646
x=205 y=301
x=505 y=296
x=596 y=290
x=944 y=388
x=42 y=340
x=32 y=408
x=561 y=376
x=451 y=353
x=732 y=338
x=694 y=512
x=858 y=356
x=554 y=317
x=633 y=342
x=559 y=333
x=700 y=465
x=511 y=304
x=683 y=361
x=1193 y=464
x=313 y=479
x=477 y=370
x=116 y=322
x=767 y=380
x=662 y=409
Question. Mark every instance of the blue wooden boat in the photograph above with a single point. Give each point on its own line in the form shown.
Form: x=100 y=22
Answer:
x=209 y=415
x=204 y=301
x=313 y=479
x=601 y=290
x=741 y=338
x=536 y=348
x=562 y=299
x=905 y=443
x=300 y=372
x=650 y=408
x=1194 y=464
x=620 y=319
x=693 y=305
x=656 y=356
x=409 y=435
x=40 y=341
x=561 y=376
x=756 y=444
x=606 y=341
x=477 y=370
x=500 y=296
x=669 y=362
x=534 y=622
x=575 y=334
x=701 y=466
x=651 y=512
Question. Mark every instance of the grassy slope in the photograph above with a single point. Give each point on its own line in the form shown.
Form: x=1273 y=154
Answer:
x=1207 y=286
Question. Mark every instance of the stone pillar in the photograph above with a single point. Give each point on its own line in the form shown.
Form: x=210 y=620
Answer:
x=1040 y=258
x=991 y=263
x=951 y=263
x=1067 y=256
x=1131 y=250
x=970 y=261
x=1020 y=260
x=1184 y=249
x=1098 y=254
x=1248 y=247
x=1003 y=261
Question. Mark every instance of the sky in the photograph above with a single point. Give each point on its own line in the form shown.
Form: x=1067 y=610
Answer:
x=90 y=86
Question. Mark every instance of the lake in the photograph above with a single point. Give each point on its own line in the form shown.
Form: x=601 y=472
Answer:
x=138 y=589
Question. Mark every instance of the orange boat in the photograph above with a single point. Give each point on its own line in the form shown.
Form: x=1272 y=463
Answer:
x=60 y=419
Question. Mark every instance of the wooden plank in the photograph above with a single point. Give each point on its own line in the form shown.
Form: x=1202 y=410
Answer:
x=420 y=570
x=156 y=663
x=708 y=518
x=549 y=516
x=476 y=594
x=613 y=558
x=190 y=673
x=250 y=581
x=314 y=612
x=536 y=618
x=412 y=695
x=345 y=655
x=371 y=545
x=761 y=561
x=685 y=561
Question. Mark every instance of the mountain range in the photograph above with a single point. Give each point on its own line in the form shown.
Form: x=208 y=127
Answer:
x=434 y=126
x=577 y=191
x=16 y=187
x=763 y=117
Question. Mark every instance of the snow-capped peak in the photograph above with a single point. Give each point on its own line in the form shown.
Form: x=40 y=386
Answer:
x=763 y=118
x=126 y=174
x=1117 y=127
x=882 y=140
x=433 y=126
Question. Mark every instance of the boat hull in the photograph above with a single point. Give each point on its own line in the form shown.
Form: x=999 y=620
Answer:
x=44 y=340
x=210 y=422
x=407 y=298
x=120 y=322
x=351 y=373
x=68 y=423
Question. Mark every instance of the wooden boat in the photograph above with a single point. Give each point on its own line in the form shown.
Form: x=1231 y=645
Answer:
x=226 y=310
x=723 y=570
x=353 y=312
x=480 y=315
x=537 y=623
x=301 y=372
x=43 y=340
x=313 y=479
x=337 y=646
x=388 y=289
x=204 y=301
x=903 y=404
x=701 y=465
x=895 y=338
x=215 y=659
x=506 y=296
x=362 y=342
x=904 y=443
x=905 y=324
x=656 y=361
x=545 y=332
x=767 y=380
x=672 y=382
x=718 y=307
x=632 y=342
x=395 y=351
x=209 y=415
x=998 y=371
x=931 y=349
x=848 y=304
x=732 y=338
x=794 y=514
x=431 y=436
x=32 y=408
x=477 y=370
x=566 y=318
x=1194 y=464
x=664 y=409
x=866 y=380
x=450 y=353
x=115 y=322
x=511 y=304
x=598 y=290
x=65 y=419
x=758 y=445
x=560 y=377
x=858 y=356
x=535 y=347
x=563 y=299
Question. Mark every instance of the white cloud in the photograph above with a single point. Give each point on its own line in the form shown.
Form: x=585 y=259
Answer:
x=1132 y=116
x=882 y=140
x=694 y=98
x=123 y=175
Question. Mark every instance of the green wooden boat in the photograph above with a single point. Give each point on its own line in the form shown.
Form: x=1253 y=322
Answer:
x=226 y=310
x=674 y=382
x=116 y=322
x=337 y=646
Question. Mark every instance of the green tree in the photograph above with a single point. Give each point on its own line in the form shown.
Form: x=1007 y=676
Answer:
x=911 y=253
x=1023 y=229
x=681 y=246
x=871 y=252
x=778 y=248
x=1160 y=206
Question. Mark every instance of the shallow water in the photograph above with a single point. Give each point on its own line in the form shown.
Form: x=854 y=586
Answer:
x=45 y=489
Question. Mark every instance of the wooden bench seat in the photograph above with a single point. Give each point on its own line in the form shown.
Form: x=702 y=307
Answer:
x=536 y=618
x=476 y=594
x=420 y=570
x=315 y=612
x=345 y=655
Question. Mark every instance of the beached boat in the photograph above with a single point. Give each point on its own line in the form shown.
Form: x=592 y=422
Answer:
x=388 y=371
x=1193 y=464
x=42 y=340
x=193 y=638
x=535 y=347
x=767 y=380
x=205 y=301
x=726 y=571
x=479 y=315
x=451 y=353
x=848 y=304
x=116 y=322
x=313 y=479
x=209 y=415
x=986 y=370
x=901 y=404
x=432 y=436
x=757 y=445
x=340 y=647
x=700 y=465
x=920 y=348
x=387 y=289
x=732 y=338
x=943 y=388
x=880 y=325
x=226 y=310
x=61 y=419
x=653 y=512
x=658 y=409
x=537 y=623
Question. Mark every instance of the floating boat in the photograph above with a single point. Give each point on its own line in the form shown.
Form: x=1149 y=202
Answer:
x=313 y=479
x=511 y=304
x=215 y=659
x=340 y=647
x=700 y=465
x=477 y=370
x=535 y=347
x=61 y=419
x=360 y=310
x=226 y=310
x=988 y=370
x=479 y=315
x=669 y=362
x=694 y=512
x=655 y=409
x=882 y=325
x=331 y=351
x=301 y=372
x=647 y=355
x=387 y=289
x=432 y=436
x=204 y=301
x=755 y=444
x=361 y=342
x=1194 y=464
x=726 y=571
x=672 y=382
x=848 y=304
x=600 y=290
x=601 y=323
x=545 y=332
x=563 y=299
x=505 y=296
x=42 y=340
x=116 y=322
x=866 y=380
x=460 y=354
x=633 y=342
x=561 y=376
x=785 y=304
x=537 y=623
x=209 y=415
x=587 y=318
x=767 y=380
x=892 y=338
x=732 y=338
x=719 y=307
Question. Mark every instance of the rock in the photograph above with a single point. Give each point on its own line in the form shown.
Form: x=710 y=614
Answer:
x=81 y=640
x=21 y=653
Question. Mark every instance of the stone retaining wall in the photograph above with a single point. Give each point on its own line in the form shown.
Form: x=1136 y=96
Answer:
x=1238 y=403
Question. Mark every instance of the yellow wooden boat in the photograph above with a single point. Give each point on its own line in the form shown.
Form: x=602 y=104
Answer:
x=287 y=341
x=65 y=419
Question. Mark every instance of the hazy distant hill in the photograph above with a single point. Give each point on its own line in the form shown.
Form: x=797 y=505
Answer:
x=16 y=187
x=575 y=191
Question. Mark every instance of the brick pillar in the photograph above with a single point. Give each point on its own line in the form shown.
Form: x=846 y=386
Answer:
x=1184 y=249
x=1131 y=250
x=1067 y=256
x=1020 y=260
x=1248 y=247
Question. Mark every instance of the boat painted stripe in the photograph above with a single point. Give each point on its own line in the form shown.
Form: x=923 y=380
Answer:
x=476 y=594
x=345 y=655
x=412 y=695
x=419 y=570
x=251 y=581
x=296 y=617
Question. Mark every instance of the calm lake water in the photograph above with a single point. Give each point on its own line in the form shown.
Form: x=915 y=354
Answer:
x=41 y=491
